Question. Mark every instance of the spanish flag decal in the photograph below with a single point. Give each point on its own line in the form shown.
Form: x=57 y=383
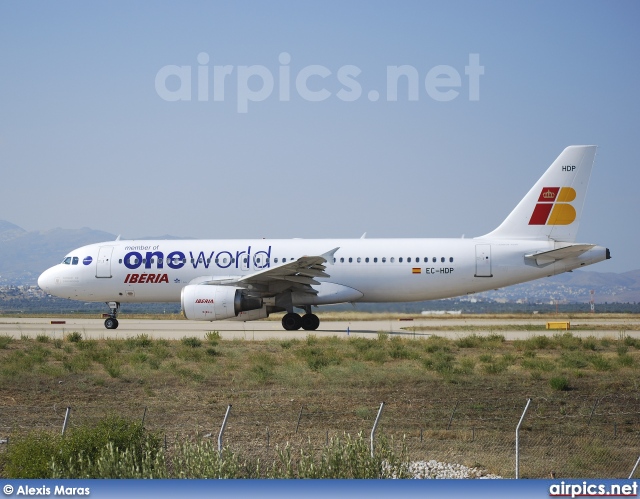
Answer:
x=416 y=270
x=553 y=207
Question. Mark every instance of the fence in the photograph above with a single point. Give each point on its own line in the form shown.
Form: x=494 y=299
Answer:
x=564 y=436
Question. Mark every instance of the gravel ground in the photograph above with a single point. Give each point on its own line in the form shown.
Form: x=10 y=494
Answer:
x=435 y=469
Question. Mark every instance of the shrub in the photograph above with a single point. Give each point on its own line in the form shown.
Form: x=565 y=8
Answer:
x=601 y=363
x=74 y=337
x=192 y=342
x=5 y=340
x=262 y=368
x=318 y=358
x=44 y=455
x=559 y=383
x=213 y=337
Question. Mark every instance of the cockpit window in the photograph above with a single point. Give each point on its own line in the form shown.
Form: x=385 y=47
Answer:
x=74 y=261
x=67 y=261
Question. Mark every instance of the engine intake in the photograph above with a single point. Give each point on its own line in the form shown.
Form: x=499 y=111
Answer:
x=201 y=302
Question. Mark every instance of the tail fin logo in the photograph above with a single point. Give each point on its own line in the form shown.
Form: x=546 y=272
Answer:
x=553 y=207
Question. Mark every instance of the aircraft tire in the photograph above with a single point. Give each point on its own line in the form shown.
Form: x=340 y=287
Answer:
x=291 y=321
x=111 y=323
x=310 y=322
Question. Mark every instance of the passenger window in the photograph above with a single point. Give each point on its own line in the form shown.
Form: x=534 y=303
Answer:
x=375 y=260
x=442 y=259
x=284 y=260
x=359 y=260
x=350 y=260
x=275 y=260
x=384 y=259
x=224 y=260
x=366 y=260
x=451 y=259
x=342 y=260
x=435 y=259
x=400 y=260
x=392 y=259
x=409 y=260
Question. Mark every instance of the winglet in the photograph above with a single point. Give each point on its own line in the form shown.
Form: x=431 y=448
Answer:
x=328 y=256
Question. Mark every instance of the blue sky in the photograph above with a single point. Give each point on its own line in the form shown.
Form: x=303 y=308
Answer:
x=87 y=138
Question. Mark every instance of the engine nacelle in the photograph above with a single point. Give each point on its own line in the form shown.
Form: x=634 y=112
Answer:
x=201 y=302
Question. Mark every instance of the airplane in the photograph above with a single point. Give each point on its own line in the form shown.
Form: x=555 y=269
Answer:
x=245 y=280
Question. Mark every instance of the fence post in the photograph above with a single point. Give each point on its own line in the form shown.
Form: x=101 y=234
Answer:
x=144 y=415
x=224 y=425
x=634 y=468
x=454 y=411
x=299 y=416
x=375 y=425
x=592 y=411
x=518 y=440
x=66 y=420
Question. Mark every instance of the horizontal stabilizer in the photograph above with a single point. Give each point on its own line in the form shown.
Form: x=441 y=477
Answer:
x=548 y=257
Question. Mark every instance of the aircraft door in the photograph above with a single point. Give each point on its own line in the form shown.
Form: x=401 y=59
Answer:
x=483 y=260
x=103 y=263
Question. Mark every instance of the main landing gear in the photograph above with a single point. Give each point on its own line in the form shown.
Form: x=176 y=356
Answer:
x=308 y=322
x=111 y=322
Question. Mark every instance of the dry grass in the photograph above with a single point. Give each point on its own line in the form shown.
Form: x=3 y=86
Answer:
x=454 y=400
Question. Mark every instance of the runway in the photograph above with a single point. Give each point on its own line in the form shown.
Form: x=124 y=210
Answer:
x=264 y=330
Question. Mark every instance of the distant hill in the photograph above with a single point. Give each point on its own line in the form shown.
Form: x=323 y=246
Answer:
x=574 y=287
x=24 y=255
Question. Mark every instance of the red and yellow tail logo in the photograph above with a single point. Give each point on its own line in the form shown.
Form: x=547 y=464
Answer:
x=553 y=207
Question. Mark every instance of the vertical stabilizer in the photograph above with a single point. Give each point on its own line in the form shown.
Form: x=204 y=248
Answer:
x=552 y=208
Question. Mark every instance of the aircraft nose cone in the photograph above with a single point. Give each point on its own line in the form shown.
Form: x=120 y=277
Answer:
x=45 y=280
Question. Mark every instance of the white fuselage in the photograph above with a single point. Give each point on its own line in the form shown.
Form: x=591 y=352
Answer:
x=361 y=270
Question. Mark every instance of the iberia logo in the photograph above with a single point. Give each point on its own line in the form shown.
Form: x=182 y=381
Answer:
x=553 y=207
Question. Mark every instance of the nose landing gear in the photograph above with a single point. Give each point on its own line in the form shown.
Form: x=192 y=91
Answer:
x=111 y=322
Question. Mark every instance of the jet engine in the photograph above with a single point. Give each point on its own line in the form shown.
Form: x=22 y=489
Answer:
x=202 y=302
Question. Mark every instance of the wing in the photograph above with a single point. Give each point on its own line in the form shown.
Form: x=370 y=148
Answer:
x=298 y=275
